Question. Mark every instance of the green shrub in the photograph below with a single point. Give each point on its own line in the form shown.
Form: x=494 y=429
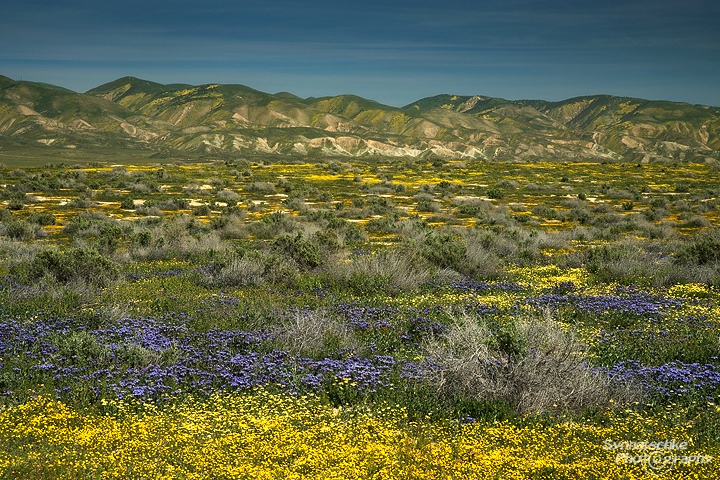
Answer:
x=216 y=223
x=142 y=238
x=260 y=187
x=202 y=211
x=42 y=218
x=468 y=210
x=273 y=225
x=80 y=347
x=380 y=205
x=386 y=224
x=19 y=230
x=495 y=193
x=325 y=197
x=305 y=252
x=109 y=237
x=84 y=221
x=367 y=283
x=127 y=204
x=626 y=263
x=444 y=250
x=15 y=204
x=353 y=234
x=704 y=249
x=428 y=206
x=228 y=196
x=80 y=202
x=326 y=240
x=74 y=264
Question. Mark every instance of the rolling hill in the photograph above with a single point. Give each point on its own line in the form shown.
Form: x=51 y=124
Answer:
x=234 y=119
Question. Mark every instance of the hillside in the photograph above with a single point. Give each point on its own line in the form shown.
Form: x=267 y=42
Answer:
x=134 y=113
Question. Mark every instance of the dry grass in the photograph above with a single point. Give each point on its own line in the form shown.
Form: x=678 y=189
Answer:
x=533 y=365
x=396 y=270
x=239 y=272
x=312 y=332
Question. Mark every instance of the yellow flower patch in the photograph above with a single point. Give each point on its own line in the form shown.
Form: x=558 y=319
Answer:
x=264 y=435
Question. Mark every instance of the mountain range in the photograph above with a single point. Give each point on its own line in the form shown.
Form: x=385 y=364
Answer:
x=234 y=119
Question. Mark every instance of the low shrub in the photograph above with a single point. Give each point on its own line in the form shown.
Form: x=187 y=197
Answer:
x=42 y=218
x=202 y=211
x=313 y=333
x=626 y=263
x=704 y=249
x=386 y=271
x=238 y=272
x=530 y=364
x=444 y=250
x=74 y=264
x=19 y=230
x=15 y=204
x=303 y=251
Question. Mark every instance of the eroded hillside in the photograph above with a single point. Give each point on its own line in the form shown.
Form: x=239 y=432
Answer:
x=135 y=113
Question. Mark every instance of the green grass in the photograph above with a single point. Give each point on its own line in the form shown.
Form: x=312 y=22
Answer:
x=303 y=249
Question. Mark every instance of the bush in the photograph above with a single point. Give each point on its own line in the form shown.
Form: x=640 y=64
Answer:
x=352 y=233
x=74 y=264
x=327 y=241
x=380 y=205
x=127 y=204
x=260 y=187
x=431 y=207
x=85 y=222
x=15 y=204
x=313 y=333
x=495 y=193
x=480 y=261
x=19 y=230
x=273 y=225
x=142 y=238
x=109 y=237
x=169 y=204
x=80 y=202
x=303 y=251
x=628 y=264
x=202 y=211
x=530 y=364
x=387 y=271
x=325 y=197
x=704 y=249
x=42 y=218
x=80 y=347
x=238 y=271
x=444 y=250
x=228 y=196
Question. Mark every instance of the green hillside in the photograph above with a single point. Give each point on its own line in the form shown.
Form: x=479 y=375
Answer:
x=225 y=119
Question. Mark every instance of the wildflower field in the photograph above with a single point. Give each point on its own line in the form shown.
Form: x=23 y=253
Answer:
x=270 y=318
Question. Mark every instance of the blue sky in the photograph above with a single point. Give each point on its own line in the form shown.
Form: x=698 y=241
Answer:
x=392 y=51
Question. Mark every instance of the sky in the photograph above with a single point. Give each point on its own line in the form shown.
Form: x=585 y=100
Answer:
x=391 y=51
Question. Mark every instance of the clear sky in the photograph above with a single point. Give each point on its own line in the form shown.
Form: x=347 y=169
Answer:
x=392 y=51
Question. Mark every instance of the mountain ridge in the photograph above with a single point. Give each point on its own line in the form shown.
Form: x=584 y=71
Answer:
x=231 y=118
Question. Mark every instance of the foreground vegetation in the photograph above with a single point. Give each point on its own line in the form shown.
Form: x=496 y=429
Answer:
x=256 y=318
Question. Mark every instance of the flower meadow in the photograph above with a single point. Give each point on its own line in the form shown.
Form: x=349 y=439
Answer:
x=218 y=328
x=265 y=435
